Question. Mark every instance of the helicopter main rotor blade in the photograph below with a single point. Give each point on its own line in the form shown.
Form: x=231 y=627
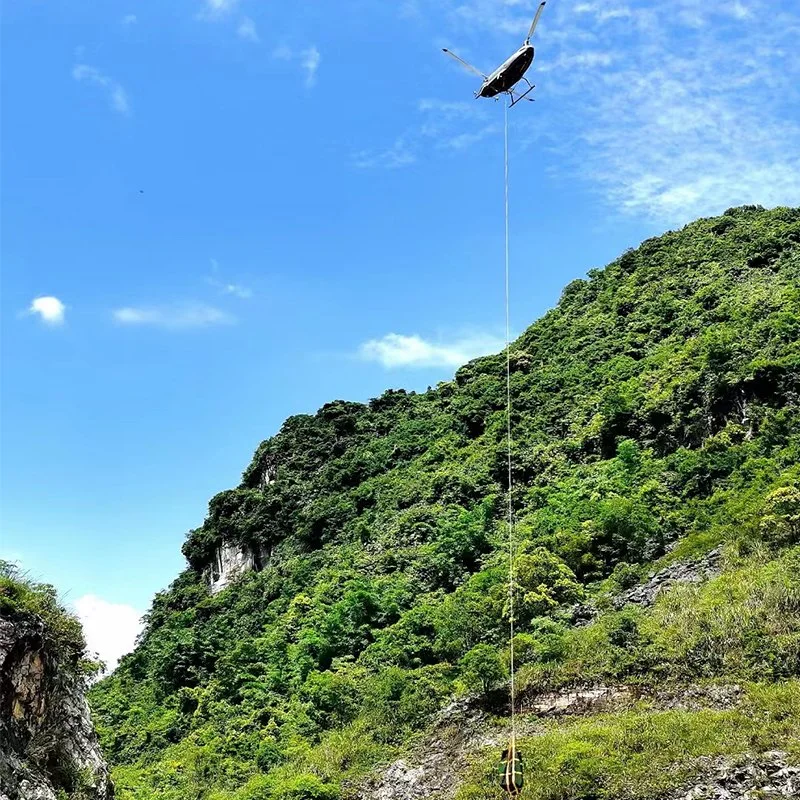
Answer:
x=536 y=20
x=464 y=63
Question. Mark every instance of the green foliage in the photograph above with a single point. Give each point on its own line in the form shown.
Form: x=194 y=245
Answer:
x=300 y=787
x=482 y=668
x=745 y=623
x=544 y=643
x=780 y=523
x=544 y=582
x=742 y=625
x=656 y=414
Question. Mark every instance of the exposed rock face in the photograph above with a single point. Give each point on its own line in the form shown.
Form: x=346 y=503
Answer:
x=696 y=571
x=575 y=702
x=231 y=561
x=47 y=742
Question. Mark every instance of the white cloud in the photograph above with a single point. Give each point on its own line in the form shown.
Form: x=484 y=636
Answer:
x=397 y=350
x=117 y=94
x=174 y=317
x=110 y=629
x=247 y=30
x=129 y=19
x=50 y=310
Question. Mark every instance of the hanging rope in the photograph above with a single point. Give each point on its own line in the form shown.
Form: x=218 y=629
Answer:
x=509 y=441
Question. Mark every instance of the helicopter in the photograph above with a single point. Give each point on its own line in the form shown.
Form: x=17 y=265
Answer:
x=510 y=72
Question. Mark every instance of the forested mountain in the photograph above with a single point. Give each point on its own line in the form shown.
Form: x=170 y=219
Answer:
x=360 y=568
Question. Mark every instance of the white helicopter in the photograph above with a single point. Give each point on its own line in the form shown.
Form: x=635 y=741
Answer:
x=511 y=71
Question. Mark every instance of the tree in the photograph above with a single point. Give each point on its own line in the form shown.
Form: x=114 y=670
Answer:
x=481 y=668
x=543 y=582
x=780 y=522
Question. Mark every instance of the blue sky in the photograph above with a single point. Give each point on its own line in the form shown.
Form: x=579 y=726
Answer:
x=218 y=213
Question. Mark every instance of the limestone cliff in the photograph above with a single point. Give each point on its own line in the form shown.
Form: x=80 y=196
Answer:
x=48 y=748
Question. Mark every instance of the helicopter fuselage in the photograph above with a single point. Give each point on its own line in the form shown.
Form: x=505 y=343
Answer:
x=509 y=73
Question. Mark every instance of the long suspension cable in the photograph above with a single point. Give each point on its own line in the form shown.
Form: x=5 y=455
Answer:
x=508 y=440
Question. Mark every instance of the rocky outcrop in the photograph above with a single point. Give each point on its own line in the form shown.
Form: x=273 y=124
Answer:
x=460 y=732
x=694 y=571
x=437 y=766
x=645 y=594
x=769 y=776
x=435 y=769
x=48 y=748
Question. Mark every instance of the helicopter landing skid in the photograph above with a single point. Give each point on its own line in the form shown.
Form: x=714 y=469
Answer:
x=523 y=96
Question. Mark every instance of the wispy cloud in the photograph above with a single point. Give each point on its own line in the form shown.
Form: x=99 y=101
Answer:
x=448 y=108
x=603 y=12
x=216 y=9
x=110 y=628
x=740 y=10
x=307 y=58
x=396 y=350
x=247 y=30
x=49 y=309
x=237 y=290
x=173 y=317
x=310 y=59
x=462 y=141
x=117 y=95
x=129 y=19
x=672 y=132
x=225 y=286
x=398 y=155
x=233 y=289
x=587 y=60
x=283 y=53
x=666 y=110
x=449 y=125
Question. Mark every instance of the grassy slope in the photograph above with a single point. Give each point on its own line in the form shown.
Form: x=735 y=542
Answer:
x=657 y=403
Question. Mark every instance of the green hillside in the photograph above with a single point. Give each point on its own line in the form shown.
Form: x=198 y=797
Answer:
x=656 y=416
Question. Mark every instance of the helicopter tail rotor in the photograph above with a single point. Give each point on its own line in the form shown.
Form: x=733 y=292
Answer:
x=535 y=21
